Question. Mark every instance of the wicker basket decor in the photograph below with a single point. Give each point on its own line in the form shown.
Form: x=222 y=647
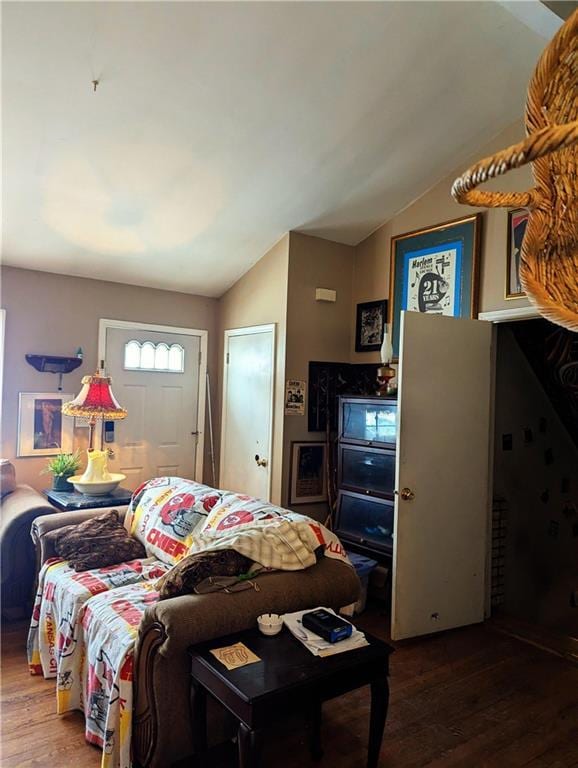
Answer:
x=549 y=258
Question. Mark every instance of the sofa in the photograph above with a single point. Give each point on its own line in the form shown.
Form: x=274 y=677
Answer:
x=19 y=505
x=161 y=726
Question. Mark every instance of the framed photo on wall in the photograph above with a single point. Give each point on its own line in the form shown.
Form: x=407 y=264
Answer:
x=517 y=223
x=435 y=270
x=307 y=480
x=42 y=428
x=371 y=320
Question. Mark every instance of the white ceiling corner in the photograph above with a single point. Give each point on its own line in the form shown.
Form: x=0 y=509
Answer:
x=217 y=127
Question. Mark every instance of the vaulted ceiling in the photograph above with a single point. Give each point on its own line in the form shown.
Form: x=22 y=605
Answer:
x=217 y=127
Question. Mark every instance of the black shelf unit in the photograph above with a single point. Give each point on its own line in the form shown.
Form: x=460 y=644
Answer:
x=366 y=474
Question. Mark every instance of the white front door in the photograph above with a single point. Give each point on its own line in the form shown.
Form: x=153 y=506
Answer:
x=162 y=434
x=247 y=411
x=443 y=449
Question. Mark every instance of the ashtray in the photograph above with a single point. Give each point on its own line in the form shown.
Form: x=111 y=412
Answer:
x=270 y=623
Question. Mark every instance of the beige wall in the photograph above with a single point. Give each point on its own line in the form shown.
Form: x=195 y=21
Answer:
x=258 y=298
x=56 y=314
x=371 y=272
x=315 y=330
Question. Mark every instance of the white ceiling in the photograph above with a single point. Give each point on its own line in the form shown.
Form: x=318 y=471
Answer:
x=218 y=127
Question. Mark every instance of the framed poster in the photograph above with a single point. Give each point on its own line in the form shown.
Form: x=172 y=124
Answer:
x=371 y=319
x=308 y=481
x=42 y=428
x=517 y=223
x=295 y=397
x=435 y=270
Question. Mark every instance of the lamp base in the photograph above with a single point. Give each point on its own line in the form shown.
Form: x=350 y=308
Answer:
x=96 y=488
x=96 y=480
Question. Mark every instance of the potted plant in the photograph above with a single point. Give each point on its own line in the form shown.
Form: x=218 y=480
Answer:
x=61 y=467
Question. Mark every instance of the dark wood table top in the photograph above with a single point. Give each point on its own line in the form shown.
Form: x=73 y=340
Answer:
x=72 y=500
x=285 y=663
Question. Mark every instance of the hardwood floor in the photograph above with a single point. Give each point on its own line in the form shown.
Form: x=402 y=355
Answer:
x=471 y=698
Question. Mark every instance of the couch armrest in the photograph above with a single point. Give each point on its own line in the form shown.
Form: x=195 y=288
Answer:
x=44 y=529
x=192 y=619
x=23 y=500
x=169 y=627
x=17 y=511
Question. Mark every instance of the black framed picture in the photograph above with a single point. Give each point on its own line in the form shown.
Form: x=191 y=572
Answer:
x=370 y=325
x=517 y=222
x=308 y=480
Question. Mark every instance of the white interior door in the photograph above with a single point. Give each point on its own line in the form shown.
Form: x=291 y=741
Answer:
x=162 y=434
x=443 y=460
x=247 y=414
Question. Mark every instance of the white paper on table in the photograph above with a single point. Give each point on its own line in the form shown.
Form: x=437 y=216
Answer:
x=317 y=645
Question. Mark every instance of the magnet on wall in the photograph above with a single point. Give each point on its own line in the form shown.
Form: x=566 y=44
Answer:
x=507 y=442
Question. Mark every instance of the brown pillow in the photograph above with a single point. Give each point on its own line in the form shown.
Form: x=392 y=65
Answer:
x=191 y=570
x=96 y=543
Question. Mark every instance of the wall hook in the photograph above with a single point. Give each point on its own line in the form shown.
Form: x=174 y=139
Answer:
x=95 y=83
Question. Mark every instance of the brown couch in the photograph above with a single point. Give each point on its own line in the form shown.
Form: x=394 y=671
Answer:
x=19 y=506
x=162 y=732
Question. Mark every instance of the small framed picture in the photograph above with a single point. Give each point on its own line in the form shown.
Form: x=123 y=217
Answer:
x=308 y=481
x=517 y=223
x=42 y=428
x=371 y=319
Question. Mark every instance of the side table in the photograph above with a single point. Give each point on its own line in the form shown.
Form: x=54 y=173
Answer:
x=288 y=679
x=68 y=501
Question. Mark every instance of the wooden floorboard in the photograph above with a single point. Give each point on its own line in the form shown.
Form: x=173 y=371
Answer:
x=470 y=698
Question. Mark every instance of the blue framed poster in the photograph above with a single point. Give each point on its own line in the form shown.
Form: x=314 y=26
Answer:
x=435 y=270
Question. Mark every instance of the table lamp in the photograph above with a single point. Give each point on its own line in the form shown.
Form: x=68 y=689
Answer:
x=95 y=402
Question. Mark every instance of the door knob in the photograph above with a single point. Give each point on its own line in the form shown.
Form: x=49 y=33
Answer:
x=406 y=494
x=260 y=462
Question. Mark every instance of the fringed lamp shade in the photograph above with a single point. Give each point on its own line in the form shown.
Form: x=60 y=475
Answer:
x=95 y=401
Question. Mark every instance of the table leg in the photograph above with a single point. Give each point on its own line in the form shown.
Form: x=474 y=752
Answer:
x=315 y=746
x=249 y=743
x=379 y=704
x=199 y=717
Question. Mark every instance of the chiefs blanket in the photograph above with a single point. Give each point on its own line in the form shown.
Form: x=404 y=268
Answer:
x=84 y=625
x=271 y=536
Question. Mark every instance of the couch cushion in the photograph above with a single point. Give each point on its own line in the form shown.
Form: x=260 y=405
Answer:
x=7 y=477
x=165 y=512
x=98 y=542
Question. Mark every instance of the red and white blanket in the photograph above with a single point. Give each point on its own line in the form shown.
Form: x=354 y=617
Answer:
x=84 y=625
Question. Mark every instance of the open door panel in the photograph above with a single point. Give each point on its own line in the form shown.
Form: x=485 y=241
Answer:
x=442 y=504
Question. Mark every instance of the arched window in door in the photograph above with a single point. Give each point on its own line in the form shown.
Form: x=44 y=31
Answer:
x=148 y=356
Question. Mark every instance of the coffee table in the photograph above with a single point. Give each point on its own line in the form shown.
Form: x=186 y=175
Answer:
x=288 y=679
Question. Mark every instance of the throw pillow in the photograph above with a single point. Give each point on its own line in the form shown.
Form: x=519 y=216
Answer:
x=191 y=570
x=97 y=543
